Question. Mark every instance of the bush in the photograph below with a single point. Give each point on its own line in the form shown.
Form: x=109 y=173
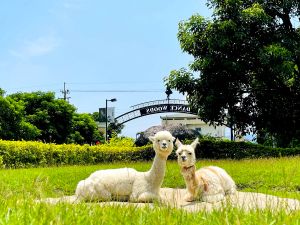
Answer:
x=121 y=141
x=16 y=154
x=214 y=149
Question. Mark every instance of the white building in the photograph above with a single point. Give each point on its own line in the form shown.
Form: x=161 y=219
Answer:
x=193 y=122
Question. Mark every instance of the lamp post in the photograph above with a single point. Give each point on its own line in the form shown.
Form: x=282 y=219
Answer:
x=107 y=100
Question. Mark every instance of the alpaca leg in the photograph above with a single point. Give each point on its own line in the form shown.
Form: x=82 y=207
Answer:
x=231 y=191
x=213 y=198
x=214 y=194
x=230 y=187
x=148 y=197
x=188 y=197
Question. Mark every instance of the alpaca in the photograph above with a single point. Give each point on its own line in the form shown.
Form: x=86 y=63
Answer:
x=209 y=184
x=127 y=184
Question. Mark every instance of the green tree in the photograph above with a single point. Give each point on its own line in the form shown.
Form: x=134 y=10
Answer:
x=12 y=123
x=114 y=129
x=2 y=92
x=245 y=72
x=53 y=117
x=84 y=130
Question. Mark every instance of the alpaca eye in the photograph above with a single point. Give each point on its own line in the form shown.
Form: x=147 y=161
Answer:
x=179 y=153
x=158 y=140
x=190 y=153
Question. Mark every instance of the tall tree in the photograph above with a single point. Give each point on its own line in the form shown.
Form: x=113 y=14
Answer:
x=84 y=130
x=114 y=129
x=245 y=72
x=12 y=123
x=53 y=117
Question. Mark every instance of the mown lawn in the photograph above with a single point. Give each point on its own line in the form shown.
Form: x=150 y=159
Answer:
x=19 y=188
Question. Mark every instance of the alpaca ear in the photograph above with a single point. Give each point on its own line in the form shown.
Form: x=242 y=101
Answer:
x=178 y=143
x=151 y=138
x=195 y=142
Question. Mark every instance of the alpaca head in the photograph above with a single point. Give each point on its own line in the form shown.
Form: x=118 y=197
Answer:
x=162 y=143
x=186 y=153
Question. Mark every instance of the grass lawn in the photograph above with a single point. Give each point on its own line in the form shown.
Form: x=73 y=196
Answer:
x=19 y=188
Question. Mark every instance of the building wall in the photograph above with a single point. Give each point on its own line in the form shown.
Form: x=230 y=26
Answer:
x=192 y=122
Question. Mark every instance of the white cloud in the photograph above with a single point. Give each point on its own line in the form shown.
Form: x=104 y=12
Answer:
x=37 y=47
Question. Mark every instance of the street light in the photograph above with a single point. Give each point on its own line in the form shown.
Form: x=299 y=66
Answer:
x=107 y=100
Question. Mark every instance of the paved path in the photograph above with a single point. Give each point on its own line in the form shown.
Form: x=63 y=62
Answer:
x=174 y=198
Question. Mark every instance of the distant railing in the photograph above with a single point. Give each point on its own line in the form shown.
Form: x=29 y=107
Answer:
x=153 y=107
x=160 y=102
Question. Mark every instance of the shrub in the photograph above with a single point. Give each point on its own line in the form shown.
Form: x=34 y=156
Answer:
x=121 y=141
x=214 y=149
x=16 y=154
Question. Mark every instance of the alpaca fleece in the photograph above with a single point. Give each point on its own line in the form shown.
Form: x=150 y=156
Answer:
x=127 y=184
x=209 y=184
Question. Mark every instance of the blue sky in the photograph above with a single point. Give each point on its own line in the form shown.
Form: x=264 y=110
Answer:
x=94 y=45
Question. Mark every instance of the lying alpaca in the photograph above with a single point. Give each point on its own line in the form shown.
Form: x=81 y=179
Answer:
x=209 y=184
x=127 y=184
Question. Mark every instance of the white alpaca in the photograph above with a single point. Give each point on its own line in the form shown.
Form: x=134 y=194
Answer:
x=208 y=184
x=127 y=184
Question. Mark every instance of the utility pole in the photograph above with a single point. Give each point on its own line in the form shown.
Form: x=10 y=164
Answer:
x=65 y=92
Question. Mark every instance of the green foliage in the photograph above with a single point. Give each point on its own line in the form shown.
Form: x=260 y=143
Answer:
x=12 y=124
x=84 y=129
x=17 y=154
x=53 y=117
x=247 y=59
x=114 y=129
x=2 y=92
x=121 y=141
x=212 y=149
x=40 y=116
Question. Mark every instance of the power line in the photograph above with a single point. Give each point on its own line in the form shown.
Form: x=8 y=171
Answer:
x=120 y=91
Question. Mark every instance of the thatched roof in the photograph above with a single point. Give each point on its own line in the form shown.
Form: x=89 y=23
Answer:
x=179 y=131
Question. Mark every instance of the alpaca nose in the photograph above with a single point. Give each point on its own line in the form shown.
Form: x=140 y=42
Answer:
x=183 y=158
x=164 y=145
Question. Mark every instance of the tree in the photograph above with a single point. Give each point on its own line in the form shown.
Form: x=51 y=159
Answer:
x=2 y=92
x=114 y=128
x=12 y=123
x=53 y=117
x=84 y=130
x=247 y=58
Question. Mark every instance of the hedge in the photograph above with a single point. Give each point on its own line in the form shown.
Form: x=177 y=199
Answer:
x=20 y=154
x=211 y=149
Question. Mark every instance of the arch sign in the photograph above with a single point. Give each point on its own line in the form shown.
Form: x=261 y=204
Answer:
x=153 y=107
x=165 y=108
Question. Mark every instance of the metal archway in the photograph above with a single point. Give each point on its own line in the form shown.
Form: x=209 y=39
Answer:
x=154 y=107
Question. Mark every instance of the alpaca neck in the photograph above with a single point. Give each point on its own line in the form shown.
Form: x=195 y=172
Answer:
x=157 y=171
x=192 y=183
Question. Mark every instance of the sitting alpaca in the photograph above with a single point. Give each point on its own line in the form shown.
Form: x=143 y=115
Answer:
x=127 y=184
x=209 y=184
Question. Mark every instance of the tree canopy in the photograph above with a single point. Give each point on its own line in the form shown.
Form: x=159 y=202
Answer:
x=245 y=68
x=13 y=125
x=40 y=116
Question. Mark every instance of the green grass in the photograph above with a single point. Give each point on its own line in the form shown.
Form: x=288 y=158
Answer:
x=19 y=188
